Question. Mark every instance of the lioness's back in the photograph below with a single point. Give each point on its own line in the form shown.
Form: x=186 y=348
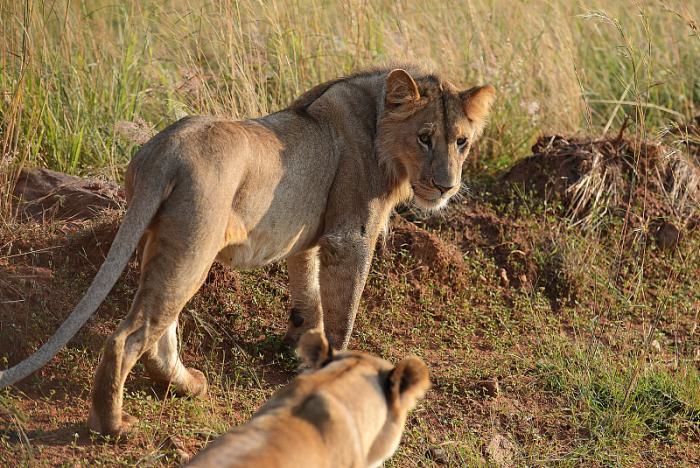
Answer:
x=350 y=411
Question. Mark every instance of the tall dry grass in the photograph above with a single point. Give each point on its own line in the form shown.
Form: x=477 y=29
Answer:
x=83 y=81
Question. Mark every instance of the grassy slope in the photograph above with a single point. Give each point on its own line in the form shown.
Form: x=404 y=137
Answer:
x=573 y=350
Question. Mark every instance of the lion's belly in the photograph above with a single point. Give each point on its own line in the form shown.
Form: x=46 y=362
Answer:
x=262 y=245
x=257 y=252
x=276 y=211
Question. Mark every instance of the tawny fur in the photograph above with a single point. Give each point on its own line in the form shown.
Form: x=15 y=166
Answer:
x=350 y=410
x=314 y=184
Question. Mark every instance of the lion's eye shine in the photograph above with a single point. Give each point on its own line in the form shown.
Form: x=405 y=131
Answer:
x=425 y=139
x=461 y=142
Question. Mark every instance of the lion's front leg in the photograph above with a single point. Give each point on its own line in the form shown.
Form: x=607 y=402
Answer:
x=345 y=260
x=305 y=291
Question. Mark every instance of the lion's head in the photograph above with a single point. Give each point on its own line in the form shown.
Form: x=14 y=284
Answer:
x=426 y=131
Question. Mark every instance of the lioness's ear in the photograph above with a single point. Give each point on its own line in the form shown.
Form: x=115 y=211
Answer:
x=313 y=348
x=400 y=88
x=408 y=382
x=476 y=103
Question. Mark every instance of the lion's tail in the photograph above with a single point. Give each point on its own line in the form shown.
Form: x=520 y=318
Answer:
x=142 y=208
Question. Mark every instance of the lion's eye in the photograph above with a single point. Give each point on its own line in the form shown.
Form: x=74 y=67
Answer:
x=461 y=142
x=425 y=140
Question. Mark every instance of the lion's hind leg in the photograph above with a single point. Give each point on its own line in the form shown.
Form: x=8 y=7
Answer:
x=172 y=273
x=165 y=367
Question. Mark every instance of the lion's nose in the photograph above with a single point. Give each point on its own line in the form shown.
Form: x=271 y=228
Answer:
x=443 y=188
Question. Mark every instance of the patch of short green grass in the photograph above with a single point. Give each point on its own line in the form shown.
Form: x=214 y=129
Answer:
x=618 y=403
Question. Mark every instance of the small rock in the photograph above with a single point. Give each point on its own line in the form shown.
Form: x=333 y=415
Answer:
x=655 y=346
x=488 y=387
x=500 y=451
x=668 y=236
x=182 y=456
x=437 y=455
x=503 y=275
x=175 y=444
x=172 y=442
x=524 y=282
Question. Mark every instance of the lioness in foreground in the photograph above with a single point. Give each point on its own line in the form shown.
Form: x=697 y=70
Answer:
x=350 y=411
x=314 y=184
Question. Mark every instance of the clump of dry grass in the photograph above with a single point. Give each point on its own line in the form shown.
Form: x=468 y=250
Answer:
x=139 y=131
x=598 y=189
x=613 y=176
x=678 y=175
x=663 y=179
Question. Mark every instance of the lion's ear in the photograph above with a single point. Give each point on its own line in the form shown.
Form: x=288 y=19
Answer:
x=400 y=88
x=314 y=349
x=476 y=103
x=408 y=382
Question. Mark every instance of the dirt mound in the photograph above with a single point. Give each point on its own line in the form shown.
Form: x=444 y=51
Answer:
x=475 y=226
x=44 y=269
x=594 y=178
x=432 y=254
x=62 y=232
x=41 y=194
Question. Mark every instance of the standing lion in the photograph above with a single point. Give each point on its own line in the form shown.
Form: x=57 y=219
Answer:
x=313 y=184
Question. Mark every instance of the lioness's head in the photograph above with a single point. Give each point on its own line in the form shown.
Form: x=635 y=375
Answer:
x=425 y=133
x=374 y=392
